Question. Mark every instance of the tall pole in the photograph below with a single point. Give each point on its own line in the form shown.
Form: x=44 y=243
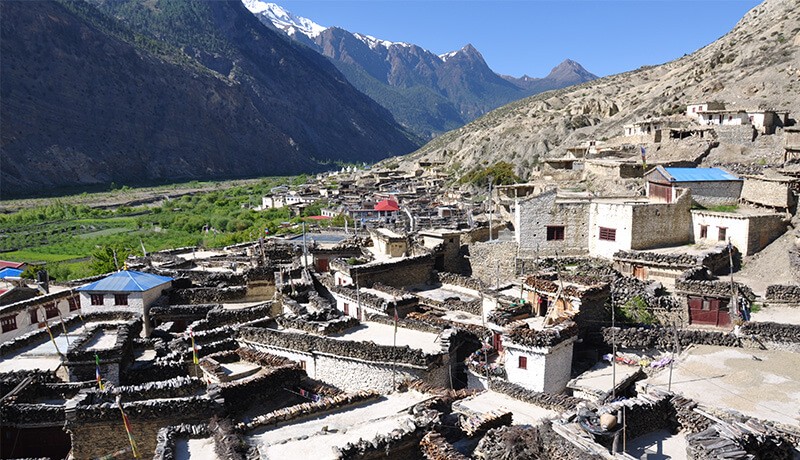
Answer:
x=491 y=206
x=613 y=350
x=305 y=249
x=733 y=309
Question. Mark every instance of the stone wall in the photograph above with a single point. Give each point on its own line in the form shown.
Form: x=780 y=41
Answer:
x=492 y=260
x=97 y=430
x=735 y=134
x=165 y=448
x=203 y=295
x=435 y=447
x=768 y=193
x=534 y=215
x=367 y=351
x=239 y=395
x=520 y=442
x=397 y=273
x=458 y=280
x=656 y=225
x=554 y=402
x=778 y=293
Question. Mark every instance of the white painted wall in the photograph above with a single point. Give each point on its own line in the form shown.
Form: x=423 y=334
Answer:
x=548 y=369
x=614 y=215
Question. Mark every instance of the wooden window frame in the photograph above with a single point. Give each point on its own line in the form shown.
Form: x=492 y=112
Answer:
x=722 y=233
x=346 y=309
x=607 y=234
x=704 y=232
x=51 y=311
x=555 y=232
x=522 y=362
x=8 y=323
x=73 y=304
x=97 y=299
x=118 y=297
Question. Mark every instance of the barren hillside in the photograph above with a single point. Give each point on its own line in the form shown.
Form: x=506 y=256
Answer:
x=756 y=65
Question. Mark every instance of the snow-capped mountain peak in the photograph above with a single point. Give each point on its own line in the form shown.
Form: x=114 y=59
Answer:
x=373 y=42
x=283 y=19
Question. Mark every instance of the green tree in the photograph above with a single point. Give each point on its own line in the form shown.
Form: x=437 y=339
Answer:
x=103 y=258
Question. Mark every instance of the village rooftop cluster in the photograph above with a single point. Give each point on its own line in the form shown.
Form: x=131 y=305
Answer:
x=442 y=323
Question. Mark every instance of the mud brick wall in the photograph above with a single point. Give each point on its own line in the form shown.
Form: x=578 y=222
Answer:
x=783 y=293
x=98 y=430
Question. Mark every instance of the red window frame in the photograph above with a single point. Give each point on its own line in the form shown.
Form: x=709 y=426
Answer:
x=347 y=309
x=704 y=231
x=608 y=234
x=723 y=233
x=523 y=362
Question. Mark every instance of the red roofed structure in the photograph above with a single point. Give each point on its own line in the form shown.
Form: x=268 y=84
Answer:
x=7 y=264
x=387 y=205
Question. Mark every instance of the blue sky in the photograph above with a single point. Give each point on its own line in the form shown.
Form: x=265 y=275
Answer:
x=531 y=36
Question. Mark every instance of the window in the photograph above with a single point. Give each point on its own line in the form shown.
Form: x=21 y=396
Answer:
x=555 y=232
x=51 y=311
x=120 y=299
x=34 y=316
x=9 y=323
x=523 y=362
x=346 y=308
x=706 y=305
x=723 y=233
x=73 y=304
x=302 y=364
x=704 y=231
x=97 y=299
x=608 y=234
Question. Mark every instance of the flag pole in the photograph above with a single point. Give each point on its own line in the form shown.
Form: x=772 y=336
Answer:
x=394 y=351
x=127 y=423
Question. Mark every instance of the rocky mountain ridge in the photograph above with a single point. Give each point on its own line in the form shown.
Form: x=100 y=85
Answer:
x=757 y=64
x=427 y=93
x=168 y=90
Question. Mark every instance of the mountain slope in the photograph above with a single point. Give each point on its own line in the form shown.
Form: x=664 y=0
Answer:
x=169 y=90
x=754 y=65
x=427 y=93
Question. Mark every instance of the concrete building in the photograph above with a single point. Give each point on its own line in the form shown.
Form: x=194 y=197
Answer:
x=723 y=117
x=709 y=186
x=766 y=121
x=124 y=290
x=749 y=230
x=29 y=315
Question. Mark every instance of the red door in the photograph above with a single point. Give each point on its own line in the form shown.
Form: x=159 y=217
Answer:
x=497 y=342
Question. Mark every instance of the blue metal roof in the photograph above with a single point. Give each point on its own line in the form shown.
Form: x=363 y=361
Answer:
x=10 y=272
x=699 y=175
x=126 y=281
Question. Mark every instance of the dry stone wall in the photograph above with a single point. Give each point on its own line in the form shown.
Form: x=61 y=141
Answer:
x=783 y=293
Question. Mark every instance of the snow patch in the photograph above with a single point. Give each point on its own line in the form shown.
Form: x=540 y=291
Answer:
x=283 y=19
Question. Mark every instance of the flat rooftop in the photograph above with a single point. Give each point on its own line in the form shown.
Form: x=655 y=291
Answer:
x=759 y=383
x=383 y=334
x=446 y=291
x=199 y=255
x=523 y=413
x=600 y=378
x=195 y=449
x=315 y=437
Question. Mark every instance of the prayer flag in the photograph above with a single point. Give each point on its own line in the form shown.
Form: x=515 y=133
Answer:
x=97 y=372
x=128 y=429
x=194 y=348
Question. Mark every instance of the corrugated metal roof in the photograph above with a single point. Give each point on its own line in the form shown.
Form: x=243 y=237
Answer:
x=126 y=281
x=699 y=175
x=12 y=272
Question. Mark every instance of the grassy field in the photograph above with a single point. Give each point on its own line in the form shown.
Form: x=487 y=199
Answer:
x=75 y=236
